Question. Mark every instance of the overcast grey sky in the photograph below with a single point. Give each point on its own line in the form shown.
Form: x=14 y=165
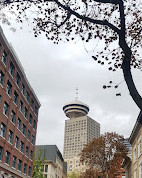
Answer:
x=54 y=71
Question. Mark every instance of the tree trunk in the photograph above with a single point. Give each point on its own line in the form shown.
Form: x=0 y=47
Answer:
x=127 y=73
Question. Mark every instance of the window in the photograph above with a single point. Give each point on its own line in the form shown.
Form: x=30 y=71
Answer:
x=5 y=109
x=21 y=146
x=16 y=142
x=18 y=78
x=139 y=148
x=30 y=119
x=4 y=57
x=19 y=165
x=24 y=129
x=140 y=170
x=21 y=106
x=10 y=136
x=19 y=124
x=26 y=112
x=1 y=78
x=134 y=155
x=12 y=118
x=1 y=153
x=25 y=168
x=46 y=168
x=31 y=155
x=35 y=110
x=15 y=97
x=34 y=124
x=7 y=157
x=32 y=104
x=11 y=69
x=23 y=89
x=135 y=173
x=27 y=96
x=29 y=135
x=14 y=161
x=0 y=47
x=27 y=151
x=29 y=172
x=33 y=140
x=3 y=130
x=8 y=88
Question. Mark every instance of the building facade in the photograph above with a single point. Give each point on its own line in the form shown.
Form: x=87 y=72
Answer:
x=80 y=129
x=54 y=165
x=18 y=115
x=133 y=162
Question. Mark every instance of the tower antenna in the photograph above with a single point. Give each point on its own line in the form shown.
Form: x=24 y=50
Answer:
x=76 y=98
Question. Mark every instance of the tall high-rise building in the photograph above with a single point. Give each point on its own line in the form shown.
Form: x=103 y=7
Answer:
x=18 y=116
x=80 y=129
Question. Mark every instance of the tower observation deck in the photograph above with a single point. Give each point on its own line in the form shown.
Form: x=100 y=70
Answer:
x=75 y=109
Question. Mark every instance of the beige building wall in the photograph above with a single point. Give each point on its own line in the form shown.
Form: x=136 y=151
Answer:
x=78 y=132
x=137 y=155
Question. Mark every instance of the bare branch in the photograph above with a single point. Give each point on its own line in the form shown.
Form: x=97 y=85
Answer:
x=99 y=22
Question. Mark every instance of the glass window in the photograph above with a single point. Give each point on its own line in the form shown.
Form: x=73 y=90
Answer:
x=10 y=136
x=24 y=129
x=21 y=146
x=14 y=161
x=33 y=140
x=31 y=155
x=18 y=78
x=27 y=96
x=26 y=112
x=35 y=110
x=7 y=157
x=29 y=135
x=29 y=172
x=19 y=124
x=21 y=106
x=32 y=104
x=5 y=109
x=46 y=168
x=11 y=69
x=19 y=165
x=15 y=97
x=4 y=57
x=30 y=119
x=23 y=89
x=27 y=151
x=139 y=148
x=12 y=118
x=25 y=168
x=1 y=78
x=3 y=130
x=8 y=88
x=16 y=142
x=1 y=152
x=34 y=124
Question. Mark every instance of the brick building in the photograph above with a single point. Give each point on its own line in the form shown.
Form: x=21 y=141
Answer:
x=18 y=115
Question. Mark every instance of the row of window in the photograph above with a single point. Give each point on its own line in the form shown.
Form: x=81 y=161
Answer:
x=9 y=91
x=13 y=114
x=14 y=162
x=17 y=140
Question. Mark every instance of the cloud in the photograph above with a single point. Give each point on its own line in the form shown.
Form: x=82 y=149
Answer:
x=54 y=71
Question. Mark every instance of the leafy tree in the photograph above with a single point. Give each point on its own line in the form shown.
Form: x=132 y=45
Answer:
x=73 y=175
x=104 y=155
x=38 y=165
x=117 y=23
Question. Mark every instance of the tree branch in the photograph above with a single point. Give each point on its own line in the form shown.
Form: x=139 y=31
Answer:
x=99 y=22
